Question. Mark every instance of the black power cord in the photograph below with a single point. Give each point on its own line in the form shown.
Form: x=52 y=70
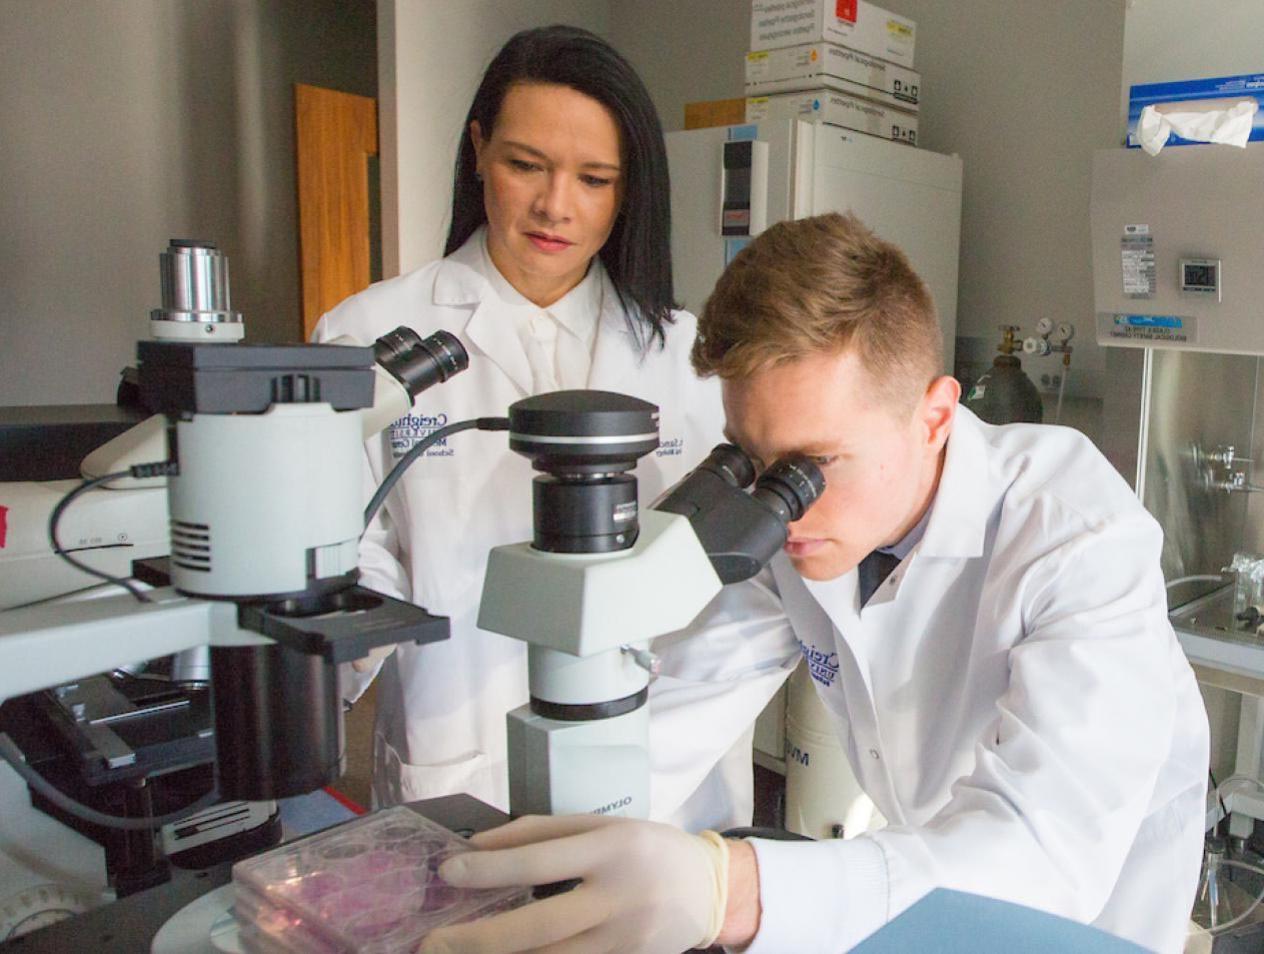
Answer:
x=160 y=469
x=480 y=423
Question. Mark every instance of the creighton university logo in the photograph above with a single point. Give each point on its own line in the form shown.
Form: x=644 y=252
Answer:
x=822 y=666
x=670 y=447
x=411 y=428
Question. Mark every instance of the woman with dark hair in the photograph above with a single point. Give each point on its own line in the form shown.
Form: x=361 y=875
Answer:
x=637 y=253
x=556 y=275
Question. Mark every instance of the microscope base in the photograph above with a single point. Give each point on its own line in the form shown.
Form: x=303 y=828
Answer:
x=599 y=767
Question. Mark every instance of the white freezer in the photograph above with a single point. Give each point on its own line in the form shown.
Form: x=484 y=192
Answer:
x=909 y=196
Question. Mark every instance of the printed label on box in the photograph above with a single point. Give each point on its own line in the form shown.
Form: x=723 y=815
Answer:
x=816 y=65
x=900 y=31
x=845 y=10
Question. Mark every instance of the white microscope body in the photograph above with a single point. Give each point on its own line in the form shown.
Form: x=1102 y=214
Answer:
x=253 y=469
x=593 y=588
x=588 y=620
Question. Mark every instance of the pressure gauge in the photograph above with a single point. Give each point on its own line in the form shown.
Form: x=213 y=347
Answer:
x=1044 y=326
x=1066 y=331
x=39 y=906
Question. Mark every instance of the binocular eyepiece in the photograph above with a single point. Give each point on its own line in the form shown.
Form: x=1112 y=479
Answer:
x=787 y=488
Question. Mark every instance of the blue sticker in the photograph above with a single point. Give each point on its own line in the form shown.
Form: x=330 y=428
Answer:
x=1149 y=321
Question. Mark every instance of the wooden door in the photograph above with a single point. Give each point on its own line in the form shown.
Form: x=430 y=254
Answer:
x=335 y=134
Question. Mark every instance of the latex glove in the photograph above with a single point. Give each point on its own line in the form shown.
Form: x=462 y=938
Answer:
x=375 y=656
x=647 y=888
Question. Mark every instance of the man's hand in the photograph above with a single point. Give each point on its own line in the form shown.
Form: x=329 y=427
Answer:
x=366 y=663
x=646 y=888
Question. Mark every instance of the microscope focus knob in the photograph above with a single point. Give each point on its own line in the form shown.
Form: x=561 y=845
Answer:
x=647 y=660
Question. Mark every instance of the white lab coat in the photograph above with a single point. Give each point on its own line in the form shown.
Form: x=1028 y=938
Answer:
x=1015 y=703
x=441 y=708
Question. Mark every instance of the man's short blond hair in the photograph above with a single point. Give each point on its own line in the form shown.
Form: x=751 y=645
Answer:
x=818 y=286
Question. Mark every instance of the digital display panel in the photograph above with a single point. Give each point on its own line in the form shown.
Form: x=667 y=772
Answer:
x=1200 y=275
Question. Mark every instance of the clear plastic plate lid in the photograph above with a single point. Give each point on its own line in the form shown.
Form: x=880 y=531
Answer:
x=367 y=886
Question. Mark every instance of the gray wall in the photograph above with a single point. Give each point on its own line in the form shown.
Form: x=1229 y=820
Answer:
x=1165 y=41
x=1023 y=91
x=685 y=50
x=130 y=122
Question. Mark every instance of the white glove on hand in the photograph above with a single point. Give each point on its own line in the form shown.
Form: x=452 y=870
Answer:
x=647 y=888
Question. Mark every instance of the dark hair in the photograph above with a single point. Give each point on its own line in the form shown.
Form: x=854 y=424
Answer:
x=637 y=255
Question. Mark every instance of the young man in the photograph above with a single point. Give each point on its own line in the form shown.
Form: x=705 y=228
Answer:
x=987 y=622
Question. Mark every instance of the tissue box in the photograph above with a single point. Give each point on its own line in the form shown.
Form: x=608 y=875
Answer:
x=835 y=67
x=856 y=24
x=1227 y=89
x=838 y=109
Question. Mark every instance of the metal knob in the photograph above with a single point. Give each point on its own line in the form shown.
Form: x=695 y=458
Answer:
x=647 y=660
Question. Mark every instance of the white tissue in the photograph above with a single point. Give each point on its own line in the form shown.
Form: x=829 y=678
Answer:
x=1199 y=122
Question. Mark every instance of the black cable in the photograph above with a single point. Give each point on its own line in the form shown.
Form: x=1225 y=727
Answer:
x=13 y=755
x=160 y=469
x=481 y=423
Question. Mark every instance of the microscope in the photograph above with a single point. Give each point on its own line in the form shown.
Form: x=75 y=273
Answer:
x=250 y=477
x=254 y=461
x=601 y=578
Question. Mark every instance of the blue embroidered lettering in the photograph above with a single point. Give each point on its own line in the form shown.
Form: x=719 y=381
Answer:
x=411 y=428
x=822 y=666
x=673 y=447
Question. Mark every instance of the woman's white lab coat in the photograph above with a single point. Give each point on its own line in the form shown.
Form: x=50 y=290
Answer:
x=441 y=708
x=1014 y=701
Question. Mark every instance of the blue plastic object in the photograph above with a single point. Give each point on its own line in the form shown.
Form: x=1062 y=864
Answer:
x=948 y=922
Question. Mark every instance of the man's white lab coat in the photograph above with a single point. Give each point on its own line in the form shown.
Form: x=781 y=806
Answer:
x=1014 y=701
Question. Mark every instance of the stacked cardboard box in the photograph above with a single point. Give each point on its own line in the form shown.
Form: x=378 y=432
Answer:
x=856 y=24
x=845 y=62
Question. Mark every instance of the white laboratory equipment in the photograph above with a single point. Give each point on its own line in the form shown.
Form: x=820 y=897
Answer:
x=823 y=797
x=729 y=183
x=1178 y=276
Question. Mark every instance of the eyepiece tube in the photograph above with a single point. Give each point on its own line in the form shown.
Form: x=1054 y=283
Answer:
x=790 y=486
x=730 y=464
x=416 y=363
x=741 y=532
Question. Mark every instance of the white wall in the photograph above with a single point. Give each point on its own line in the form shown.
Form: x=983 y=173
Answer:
x=432 y=54
x=131 y=122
